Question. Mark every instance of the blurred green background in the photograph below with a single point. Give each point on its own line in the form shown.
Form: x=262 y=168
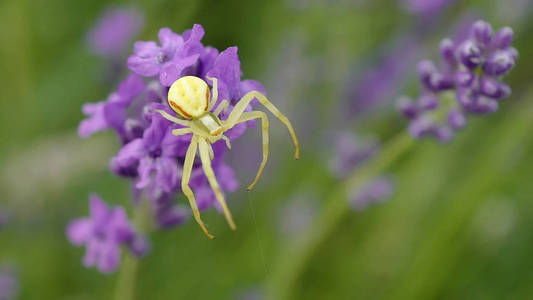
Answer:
x=459 y=226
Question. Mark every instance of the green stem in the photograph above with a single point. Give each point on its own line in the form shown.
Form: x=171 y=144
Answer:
x=294 y=259
x=126 y=280
x=442 y=249
x=125 y=289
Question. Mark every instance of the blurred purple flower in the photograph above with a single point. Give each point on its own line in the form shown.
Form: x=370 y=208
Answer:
x=377 y=191
x=425 y=7
x=8 y=284
x=103 y=233
x=379 y=83
x=472 y=69
x=350 y=152
x=297 y=214
x=114 y=31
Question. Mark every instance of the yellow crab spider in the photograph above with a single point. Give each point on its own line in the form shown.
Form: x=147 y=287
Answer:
x=189 y=98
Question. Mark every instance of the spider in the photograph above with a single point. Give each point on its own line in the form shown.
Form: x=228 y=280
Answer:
x=189 y=98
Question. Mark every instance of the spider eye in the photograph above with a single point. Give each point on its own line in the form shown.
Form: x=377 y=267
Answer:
x=189 y=96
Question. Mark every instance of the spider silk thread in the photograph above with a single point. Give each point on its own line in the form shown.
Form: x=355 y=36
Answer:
x=259 y=242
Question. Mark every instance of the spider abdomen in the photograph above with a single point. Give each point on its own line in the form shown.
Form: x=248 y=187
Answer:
x=189 y=97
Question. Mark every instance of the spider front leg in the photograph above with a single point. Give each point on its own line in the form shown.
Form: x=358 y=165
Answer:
x=223 y=106
x=214 y=98
x=174 y=119
x=181 y=131
x=187 y=169
x=247 y=116
x=239 y=108
x=208 y=170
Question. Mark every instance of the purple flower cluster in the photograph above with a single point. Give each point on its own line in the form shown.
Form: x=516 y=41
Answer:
x=468 y=82
x=103 y=233
x=114 y=31
x=151 y=156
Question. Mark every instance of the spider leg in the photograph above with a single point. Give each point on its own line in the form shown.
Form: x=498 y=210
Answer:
x=187 y=168
x=211 y=153
x=181 y=131
x=214 y=98
x=247 y=116
x=226 y=139
x=174 y=119
x=206 y=164
x=222 y=107
x=243 y=103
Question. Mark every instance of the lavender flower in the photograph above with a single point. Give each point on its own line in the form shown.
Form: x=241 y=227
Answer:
x=8 y=284
x=103 y=233
x=114 y=31
x=472 y=70
x=169 y=60
x=112 y=112
x=377 y=191
x=151 y=157
x=350 y=152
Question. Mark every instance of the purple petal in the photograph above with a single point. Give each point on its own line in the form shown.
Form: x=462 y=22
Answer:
x=428 y=101
x=470 y=54
x=98 y=208
x=122 y=230
x=171 y=216
x=139 y=246
x=206 y=61
x=227 y=70
x=456 y=119
x=226 y=177
x=166 y=174
x=96 y=120
x=79 y=231
x=192 y=40
x=249 y=85
x=145 y=169
x=482 y=32
x=172 y=70
x=205 y=198
x=175 y=146
x=499 y=63
x=503 y=38
x=421 y=126
x=154 y=134
x=144 y=61
x=109 y=257
x=447 y=50
x=130 y=154
x=170 y=42
x=130 y=88
x=407 y=107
